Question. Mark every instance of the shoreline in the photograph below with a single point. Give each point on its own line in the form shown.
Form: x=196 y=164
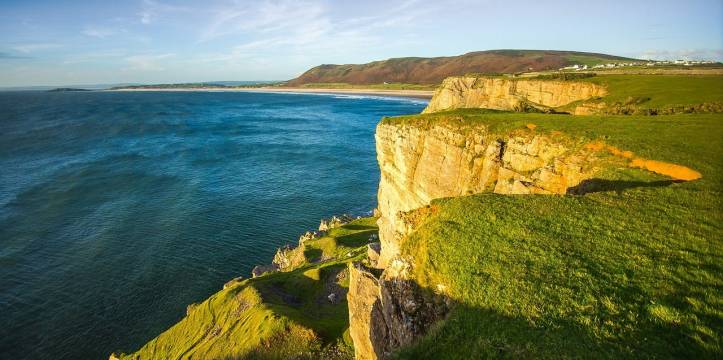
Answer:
x=417 y=94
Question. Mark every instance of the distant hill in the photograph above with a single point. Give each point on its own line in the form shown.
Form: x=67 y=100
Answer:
x=417 y=70
x=67 y=90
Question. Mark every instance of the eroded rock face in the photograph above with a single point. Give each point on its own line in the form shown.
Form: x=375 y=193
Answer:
x=509 y=94
x=420 y=164
x=367 y=326
x=389 y=312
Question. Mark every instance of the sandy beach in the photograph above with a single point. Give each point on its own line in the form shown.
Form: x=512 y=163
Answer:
x=421 y=94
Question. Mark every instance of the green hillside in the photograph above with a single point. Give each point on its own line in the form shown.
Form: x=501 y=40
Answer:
x=629 y=270
x=661 y=91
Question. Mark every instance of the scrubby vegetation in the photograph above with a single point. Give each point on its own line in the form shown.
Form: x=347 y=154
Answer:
x=564 y=76
x=276 y=316
x=631 y=269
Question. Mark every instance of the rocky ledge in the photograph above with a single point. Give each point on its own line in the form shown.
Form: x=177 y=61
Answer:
x=501 y=93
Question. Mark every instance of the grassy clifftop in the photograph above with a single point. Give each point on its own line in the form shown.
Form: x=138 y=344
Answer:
x=275 y=316
x=631 y=269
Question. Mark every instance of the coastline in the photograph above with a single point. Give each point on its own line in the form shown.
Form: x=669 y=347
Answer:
x=419 y=94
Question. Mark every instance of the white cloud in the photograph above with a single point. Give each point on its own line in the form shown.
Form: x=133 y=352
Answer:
x=300 y=29
x=147 y=62
x=98 y=32
x=263 y=17
x=95 y=55
x=151 y=10
x=690 y=54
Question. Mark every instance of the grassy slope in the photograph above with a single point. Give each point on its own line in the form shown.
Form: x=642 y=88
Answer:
x=631 y=271
x=663 y=90
x=280 y=315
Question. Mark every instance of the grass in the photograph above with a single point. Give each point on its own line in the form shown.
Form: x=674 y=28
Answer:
x=662 y=90
x=276 y=316
x=631 y=271
x=389 y=86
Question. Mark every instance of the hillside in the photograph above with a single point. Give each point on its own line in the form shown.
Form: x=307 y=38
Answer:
x=418 y=70
x=626 y=268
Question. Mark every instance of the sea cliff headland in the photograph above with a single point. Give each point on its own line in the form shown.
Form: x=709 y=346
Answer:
x=511 y=222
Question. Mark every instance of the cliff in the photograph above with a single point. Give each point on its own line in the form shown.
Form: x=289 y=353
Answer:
x=510 y=94
x=418 y=70
x=419 y=163
x=426 y=158
x=582 y=94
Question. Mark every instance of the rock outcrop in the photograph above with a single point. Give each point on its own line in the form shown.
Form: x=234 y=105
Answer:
x=502 y=93
x=419 y=164
x=334 y=222
x=390 y=311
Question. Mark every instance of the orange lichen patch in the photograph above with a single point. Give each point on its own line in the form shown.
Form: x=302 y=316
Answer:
x=677 y=172
x=556 y=133
x=617 y=152
x=595 y=146
x=531 y=126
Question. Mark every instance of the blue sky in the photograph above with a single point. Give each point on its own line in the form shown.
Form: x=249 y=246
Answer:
x=60 y=42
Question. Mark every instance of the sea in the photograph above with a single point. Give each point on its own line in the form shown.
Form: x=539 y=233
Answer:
x=118 y=209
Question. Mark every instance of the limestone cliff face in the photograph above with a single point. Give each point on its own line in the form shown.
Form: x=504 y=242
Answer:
x=419 y=164
x=509 y=94
x=389 y=311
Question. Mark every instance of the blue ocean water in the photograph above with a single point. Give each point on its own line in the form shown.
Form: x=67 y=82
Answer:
x=119 y=209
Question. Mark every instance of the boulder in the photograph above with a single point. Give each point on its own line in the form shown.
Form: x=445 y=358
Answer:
x=233 y=281
x=334 y=221
x=263 y=269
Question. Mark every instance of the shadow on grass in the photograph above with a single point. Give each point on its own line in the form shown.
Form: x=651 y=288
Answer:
x=304 y=300
x=619 y=186
x=359 y=227
x=481 y=333
x=312 y=254
x=356 y=239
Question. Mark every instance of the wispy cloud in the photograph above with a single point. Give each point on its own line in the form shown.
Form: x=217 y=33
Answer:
x=263 y=17
x=147 y=62
x=95 y=56
x=151 y=10
x=690 y=54
x=34 y=47
x=98 y=32
x=299 y=28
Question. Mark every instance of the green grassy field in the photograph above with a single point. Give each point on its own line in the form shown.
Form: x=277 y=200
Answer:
x=661 y=90
x=631 y=270
x=275 y=316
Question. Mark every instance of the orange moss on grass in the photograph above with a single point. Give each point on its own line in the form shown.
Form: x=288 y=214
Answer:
x=675 y=171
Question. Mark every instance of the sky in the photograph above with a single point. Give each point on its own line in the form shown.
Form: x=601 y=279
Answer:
x=61 y=42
